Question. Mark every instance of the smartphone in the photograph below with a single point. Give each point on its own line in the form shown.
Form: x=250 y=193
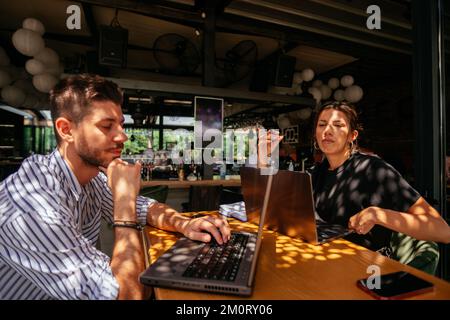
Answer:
x=397 y=285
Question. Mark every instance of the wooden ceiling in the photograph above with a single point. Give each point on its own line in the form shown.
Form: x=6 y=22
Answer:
x=329 y=36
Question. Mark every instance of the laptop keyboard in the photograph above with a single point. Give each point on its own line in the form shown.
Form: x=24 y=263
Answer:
x=326 y=231
x=218 y=262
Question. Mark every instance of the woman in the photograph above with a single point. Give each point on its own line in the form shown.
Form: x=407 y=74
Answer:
x=363 y=191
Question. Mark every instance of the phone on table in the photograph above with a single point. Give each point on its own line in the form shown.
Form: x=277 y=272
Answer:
x=397 y=285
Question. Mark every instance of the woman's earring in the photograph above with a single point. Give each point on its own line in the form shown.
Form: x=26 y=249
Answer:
x=351 y=146
x=316 y=147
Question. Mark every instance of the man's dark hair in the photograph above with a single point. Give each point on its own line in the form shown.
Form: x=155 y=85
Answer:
x=72 y=97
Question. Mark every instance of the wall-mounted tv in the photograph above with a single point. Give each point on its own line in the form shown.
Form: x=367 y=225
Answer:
x=208 y=127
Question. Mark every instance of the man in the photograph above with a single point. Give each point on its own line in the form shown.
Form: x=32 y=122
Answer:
x=50 y=209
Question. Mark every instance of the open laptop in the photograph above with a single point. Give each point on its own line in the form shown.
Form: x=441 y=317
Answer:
x=228 y=268
x=291 y=210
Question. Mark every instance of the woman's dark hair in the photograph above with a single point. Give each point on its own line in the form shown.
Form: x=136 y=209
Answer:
x=348 y=109
x=350 y=112
x=72 y=97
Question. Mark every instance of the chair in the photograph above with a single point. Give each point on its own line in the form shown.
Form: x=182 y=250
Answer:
x=422 y=255
x=159 y=193
x=203 y=198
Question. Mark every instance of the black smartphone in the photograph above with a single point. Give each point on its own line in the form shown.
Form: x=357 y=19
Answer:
x=397 y=285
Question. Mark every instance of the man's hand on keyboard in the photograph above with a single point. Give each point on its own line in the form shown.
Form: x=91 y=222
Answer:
x=201 y=229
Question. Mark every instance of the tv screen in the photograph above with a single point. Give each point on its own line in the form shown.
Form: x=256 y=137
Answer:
x=208 y=114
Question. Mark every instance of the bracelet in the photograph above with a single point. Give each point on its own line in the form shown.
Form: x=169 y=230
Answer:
x=128 y=224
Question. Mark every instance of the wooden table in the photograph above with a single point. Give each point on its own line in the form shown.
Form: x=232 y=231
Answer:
x=176 y=184
x=292 y=269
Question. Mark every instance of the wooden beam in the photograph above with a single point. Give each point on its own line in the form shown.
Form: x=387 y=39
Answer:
x=191 y=91
x=186 y=16
x=290 y=20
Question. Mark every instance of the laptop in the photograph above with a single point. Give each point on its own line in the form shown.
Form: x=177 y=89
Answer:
x=228 y=268
x=291 y=210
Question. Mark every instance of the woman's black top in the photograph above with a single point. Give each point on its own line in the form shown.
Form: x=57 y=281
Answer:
x=360 y=182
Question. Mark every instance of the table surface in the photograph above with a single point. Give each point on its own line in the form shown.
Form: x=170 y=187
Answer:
x=291 y=269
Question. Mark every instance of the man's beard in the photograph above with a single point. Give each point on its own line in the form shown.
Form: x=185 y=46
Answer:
x=91 y=156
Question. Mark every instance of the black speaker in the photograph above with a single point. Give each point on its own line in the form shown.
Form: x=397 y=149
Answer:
x=113 y=46
x=283 y=71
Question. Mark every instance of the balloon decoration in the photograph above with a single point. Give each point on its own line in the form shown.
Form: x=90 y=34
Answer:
x=339 y=95
x=13 y=95
x=347 y=81
x=45 y=66
x=33 y=25
x=34 y=67
x=283 y=121
x=333 y=83
x=44 y=82
x=28 y=42
x=307 y=74
x=353 y=93
x=28 y=87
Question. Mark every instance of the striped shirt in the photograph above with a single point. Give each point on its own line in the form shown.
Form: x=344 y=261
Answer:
x=49 y=225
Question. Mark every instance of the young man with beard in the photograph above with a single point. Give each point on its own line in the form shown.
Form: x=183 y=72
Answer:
x=50 y=209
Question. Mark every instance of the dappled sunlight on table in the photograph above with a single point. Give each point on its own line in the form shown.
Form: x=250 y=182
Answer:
x=292 y=251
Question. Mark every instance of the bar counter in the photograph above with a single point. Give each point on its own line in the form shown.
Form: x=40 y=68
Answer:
x=230 y=181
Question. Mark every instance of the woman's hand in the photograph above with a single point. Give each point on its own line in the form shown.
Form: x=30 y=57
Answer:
x=201 y=229
x=363 y=221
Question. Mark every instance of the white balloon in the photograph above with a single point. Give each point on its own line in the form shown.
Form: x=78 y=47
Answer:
x=5 y=78
x=353 y=94
x=339 y=95
x=317 y=83
x=283 y=121
x=13 y=96
x=44 y=82
x=48 y=57
x=28 y=42
x=307 y=74
x=4 y=59
x=347 y=81
x=34 y=25
x=326 y=91
x=333 y=83
x=34 y=67
x=317 y=95
x=298 y=78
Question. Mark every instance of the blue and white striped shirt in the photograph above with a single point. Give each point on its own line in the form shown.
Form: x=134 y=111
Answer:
x=49 y=225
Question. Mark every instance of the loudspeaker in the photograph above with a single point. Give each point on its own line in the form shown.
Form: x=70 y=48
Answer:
x=113 y=46
x=92 y=65
x=283 y=71
x=278 y=71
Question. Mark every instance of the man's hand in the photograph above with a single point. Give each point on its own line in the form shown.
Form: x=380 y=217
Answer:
x=363 y=221
x=201 y=229
x=124 y=179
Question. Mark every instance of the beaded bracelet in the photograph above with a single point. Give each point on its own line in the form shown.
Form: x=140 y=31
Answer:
x=128 y=224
